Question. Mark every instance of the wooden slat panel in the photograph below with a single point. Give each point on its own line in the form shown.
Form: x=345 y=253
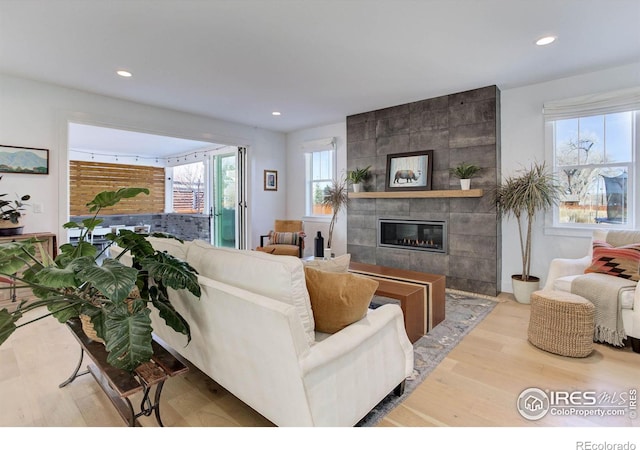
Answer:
x=183 y=202
x=86 y=179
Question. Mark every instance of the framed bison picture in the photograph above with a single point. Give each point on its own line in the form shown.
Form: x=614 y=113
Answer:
x=409 y=171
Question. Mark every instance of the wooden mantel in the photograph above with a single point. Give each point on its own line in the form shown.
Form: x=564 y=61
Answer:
x=449 y=193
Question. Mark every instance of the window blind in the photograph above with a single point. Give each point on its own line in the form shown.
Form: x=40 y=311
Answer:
x=319 y=144
x=594 y=104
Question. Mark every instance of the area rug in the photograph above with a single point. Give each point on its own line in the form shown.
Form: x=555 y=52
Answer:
x=463 y=311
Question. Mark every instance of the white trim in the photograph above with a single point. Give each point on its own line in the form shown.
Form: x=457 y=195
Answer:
x=323 y=219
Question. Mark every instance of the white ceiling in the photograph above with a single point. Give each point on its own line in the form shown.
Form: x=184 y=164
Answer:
x=101 y=141
x=316 y=61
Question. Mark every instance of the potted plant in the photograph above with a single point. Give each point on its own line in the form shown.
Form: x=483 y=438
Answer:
x=357 y=177
x=116 y=297
x=336 y=197
x=464 y=172
x=10 y=213
x=523 y=196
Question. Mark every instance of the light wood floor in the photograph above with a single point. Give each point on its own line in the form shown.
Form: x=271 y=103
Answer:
x=476 y=385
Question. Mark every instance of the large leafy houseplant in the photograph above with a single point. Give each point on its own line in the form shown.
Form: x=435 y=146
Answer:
x=117 y=297
x=523 y=196
x=11 y=211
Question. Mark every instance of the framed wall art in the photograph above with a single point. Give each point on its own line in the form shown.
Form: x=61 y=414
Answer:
x=270 y=180
x=24 y=160
x=411 y=171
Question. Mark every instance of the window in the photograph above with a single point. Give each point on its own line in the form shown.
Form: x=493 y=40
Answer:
x=320 y=171
x=188 y=188
x=595 y=158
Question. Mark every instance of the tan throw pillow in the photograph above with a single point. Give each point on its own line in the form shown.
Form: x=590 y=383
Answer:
x=338 y=299
x=337 y=264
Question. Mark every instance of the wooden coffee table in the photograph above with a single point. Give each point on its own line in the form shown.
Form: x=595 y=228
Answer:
x=421 y=295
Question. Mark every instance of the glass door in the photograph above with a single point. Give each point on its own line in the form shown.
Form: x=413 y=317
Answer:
x=227 y=198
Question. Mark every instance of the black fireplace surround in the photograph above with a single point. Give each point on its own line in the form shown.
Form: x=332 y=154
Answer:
x=427 y=236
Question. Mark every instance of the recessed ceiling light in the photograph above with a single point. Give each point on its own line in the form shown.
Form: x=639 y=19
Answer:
x=546 y=40
x=276 y=113
x=124 y=73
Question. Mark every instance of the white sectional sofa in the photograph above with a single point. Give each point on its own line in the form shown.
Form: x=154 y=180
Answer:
x=563 y=271
x=253 y=333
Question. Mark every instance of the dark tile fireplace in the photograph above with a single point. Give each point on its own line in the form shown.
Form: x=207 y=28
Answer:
x=427 y=236
x=460 y=127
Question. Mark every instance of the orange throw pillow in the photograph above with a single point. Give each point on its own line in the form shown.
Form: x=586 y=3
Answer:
x=338 y=299
x=621 y=262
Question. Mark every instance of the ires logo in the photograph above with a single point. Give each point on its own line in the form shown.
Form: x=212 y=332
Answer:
x=535 y=403
x=575 y=398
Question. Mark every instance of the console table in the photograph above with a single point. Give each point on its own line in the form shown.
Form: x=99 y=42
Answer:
x=421 y=295
x=119 y=384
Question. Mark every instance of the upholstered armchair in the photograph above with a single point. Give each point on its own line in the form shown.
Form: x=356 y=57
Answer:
x=563 y=272
x=286 y=238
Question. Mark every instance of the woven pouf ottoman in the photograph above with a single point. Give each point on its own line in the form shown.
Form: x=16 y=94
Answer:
x=561 y=323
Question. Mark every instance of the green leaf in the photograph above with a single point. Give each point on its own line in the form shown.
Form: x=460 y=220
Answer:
x=64 y=311
x=11 y=264
x=109 y=198
x=91 y=222
x=72 y=224
x=56 y=277
x=69 y=252
x=172 y=318
x=128 y=337
x=7 y=323
x=137 y=245
x=172 y=272
x=14 y=256
x=113 y=279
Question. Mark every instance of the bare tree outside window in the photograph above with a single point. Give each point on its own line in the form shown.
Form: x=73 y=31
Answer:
x=590 y=154
x=188 y=188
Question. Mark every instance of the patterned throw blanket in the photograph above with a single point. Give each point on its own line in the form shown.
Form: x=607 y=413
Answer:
x=604 y=292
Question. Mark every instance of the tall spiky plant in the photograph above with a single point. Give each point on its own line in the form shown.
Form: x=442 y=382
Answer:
x=523 y=196
x=335 y=196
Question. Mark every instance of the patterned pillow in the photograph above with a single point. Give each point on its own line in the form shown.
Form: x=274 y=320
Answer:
x=276 y=237
x=621 y=262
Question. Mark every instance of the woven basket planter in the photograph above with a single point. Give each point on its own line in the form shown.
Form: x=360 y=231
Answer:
x=88 y=329
x=87 y=326
x=561 y=323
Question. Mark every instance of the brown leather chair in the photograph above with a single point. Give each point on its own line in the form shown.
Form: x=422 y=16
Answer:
x=286 y=238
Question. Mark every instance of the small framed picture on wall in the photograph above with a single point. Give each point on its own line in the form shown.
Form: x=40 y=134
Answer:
x=270 y=180
x=409 y=171
x=24 y=160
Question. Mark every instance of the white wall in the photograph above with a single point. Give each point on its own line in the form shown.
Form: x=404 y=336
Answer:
x=296 y=184
x=34 y=114
x=523 y=142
